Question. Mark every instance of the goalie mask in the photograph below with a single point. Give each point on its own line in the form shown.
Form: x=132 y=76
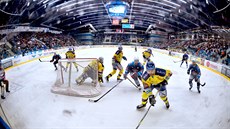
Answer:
x=101 y=59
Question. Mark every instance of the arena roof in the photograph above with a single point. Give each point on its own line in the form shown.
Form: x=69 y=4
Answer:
x=163 y=15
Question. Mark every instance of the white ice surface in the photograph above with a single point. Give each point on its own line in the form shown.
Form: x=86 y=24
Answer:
x=31 y=105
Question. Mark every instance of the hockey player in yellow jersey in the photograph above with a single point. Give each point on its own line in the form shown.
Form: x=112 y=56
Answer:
x=154 y=78
x=146 y=55
x=94 y=66
x=116 y=63
x=70 y=54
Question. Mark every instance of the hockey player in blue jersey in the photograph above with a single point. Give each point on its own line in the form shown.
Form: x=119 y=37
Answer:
x=185 y=58
x=194 y=74
x=135 y=69
x=56 y=57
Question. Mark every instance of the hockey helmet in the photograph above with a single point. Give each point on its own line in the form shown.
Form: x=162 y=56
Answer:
x=150 y=51
x=120 y=48
x=150 y=65
x=194 y=61
x=101 y=59
x=136 y=59
x=70 y=49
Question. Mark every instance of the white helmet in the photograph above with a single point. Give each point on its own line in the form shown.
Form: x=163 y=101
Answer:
x=136 y=58
x=120 y=48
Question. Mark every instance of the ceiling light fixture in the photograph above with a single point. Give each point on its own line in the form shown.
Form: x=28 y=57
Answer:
x=183 y=1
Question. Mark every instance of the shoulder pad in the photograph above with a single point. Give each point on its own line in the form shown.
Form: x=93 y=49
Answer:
x=145 y=76
x=118 y=52
x=160 y=72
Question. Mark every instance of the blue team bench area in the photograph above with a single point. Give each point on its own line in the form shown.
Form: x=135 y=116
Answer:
x=3 y=124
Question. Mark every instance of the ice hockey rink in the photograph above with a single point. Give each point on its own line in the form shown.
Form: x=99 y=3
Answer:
x=31 y=105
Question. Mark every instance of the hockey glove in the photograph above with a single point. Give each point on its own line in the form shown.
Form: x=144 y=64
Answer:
x=163 y=83
x=124 y=58
x=139 y=73
x=188 y=72
x=152 y=100
x=168 y=76
x=198 y=76
x=125 y=76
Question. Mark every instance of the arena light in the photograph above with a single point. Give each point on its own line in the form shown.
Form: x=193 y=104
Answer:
x=183 y=1
x=172 y=3
x=45 y=1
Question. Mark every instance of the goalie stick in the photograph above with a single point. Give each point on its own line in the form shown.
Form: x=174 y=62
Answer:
x=91 y=100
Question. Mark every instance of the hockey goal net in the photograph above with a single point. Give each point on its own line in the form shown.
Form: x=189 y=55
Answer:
x=77 y=77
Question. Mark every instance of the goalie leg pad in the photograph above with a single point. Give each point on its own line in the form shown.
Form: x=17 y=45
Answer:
x=92 y=76
x=81 y=79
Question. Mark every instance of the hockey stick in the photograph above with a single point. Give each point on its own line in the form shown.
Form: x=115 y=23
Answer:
x=143 y=117
x=203 y=84
x=91 y=100
x=7 y=121
x=177 y=61
x=42 y=61
x=146 y=112
x=139 y=88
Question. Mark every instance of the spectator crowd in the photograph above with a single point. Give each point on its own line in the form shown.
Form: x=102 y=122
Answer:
x=217 y=50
